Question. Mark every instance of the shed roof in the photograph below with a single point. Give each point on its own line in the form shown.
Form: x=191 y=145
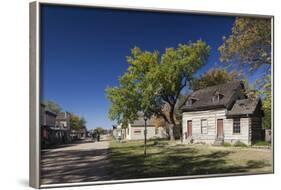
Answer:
x=244 y=107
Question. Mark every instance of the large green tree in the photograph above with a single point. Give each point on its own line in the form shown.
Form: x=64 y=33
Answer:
x=52 y=106
x=214 y=77
x=155 y=81
x=249 y=44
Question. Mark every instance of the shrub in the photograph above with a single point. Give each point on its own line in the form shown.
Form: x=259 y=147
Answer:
x=226 y=144
x=240 y=144
x=262 y=143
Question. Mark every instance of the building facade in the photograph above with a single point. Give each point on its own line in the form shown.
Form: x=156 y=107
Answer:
x=136 y=130
x=63 y=124
x=221 y=113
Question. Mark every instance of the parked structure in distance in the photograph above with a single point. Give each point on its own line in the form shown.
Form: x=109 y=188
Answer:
x=135 y=130
x=55 y=128
x=63 y=122
x=222 y=113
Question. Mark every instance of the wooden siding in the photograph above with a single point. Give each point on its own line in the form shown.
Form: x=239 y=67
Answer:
x=212 y=116
x=256 y=128
x=131 y=135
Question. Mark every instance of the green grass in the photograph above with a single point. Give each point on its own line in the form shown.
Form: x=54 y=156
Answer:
x=240 y=144
x=262 y=143
x=169 y=159
x=226 y=144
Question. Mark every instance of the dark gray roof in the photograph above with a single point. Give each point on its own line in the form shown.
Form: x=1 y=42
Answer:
x=203 y=98
x=244 y=107
x=47 y=111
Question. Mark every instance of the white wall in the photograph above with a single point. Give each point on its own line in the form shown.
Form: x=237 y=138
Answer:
x=244 y=131
x=132 y=135
x=212 y=116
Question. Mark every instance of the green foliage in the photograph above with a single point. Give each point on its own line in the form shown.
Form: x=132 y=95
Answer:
x=82 y=122
x=249 y=44
x=262 y=143
x=262 y=89
x=53 y=106
x=226 y=144
x=263 y=86
x=153 y=81
x=239 y=144
x=99 y=130
x=77 y=123
x=214 y=77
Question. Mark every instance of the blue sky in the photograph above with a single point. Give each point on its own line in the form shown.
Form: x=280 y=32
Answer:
x=83 y=50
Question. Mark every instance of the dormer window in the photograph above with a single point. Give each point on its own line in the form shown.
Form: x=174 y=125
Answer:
x=191 y=101
x=217 y=97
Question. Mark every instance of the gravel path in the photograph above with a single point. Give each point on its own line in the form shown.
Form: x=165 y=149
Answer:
x=80 y=162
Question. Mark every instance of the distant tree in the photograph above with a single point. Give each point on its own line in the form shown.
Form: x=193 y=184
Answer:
x=75 y=122
x=153 y=81
x=53 y=106
x=249 y=44
x=214 y=77
x=100 y=130
x=82 y=122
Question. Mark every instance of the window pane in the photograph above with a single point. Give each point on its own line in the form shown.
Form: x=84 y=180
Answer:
x=204 y=125
x=236 y=125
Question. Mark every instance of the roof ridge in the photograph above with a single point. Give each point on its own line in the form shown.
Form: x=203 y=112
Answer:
x=208 y=87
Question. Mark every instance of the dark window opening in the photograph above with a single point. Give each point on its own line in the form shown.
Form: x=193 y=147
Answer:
x=236 y=125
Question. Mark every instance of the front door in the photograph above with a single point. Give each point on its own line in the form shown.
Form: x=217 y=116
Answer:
x=220 y=128
x=189 y=128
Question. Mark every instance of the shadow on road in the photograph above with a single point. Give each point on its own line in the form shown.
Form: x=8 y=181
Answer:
x=78 y=162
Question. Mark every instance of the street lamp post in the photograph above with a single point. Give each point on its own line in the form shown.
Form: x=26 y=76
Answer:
x=145 y=134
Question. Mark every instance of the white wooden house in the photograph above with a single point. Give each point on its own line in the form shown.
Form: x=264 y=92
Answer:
x=221 y=113
x=135 y=130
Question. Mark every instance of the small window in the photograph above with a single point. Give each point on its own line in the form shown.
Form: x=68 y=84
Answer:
x=137 y=131
x=236 y=125
x=217 y=97
x=204 y=126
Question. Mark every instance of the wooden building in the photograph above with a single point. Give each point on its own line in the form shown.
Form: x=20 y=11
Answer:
x=221 y=113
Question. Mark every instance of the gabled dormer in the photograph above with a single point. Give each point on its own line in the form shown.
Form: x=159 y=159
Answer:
x=191 y=101
x=217 y=97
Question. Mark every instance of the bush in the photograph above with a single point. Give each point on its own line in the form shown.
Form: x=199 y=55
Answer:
x=262 y=143
x=226 y=144
x=240 y=144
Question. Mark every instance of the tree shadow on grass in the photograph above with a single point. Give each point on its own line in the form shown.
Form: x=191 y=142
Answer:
x=168 y=162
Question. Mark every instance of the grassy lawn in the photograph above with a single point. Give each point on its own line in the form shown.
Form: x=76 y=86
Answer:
x=168 y=159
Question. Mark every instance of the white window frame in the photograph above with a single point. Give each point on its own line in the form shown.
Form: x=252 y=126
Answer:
x=201 y=126
x=236 y=133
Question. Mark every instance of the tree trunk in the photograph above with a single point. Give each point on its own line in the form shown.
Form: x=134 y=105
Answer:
x=171 y=131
